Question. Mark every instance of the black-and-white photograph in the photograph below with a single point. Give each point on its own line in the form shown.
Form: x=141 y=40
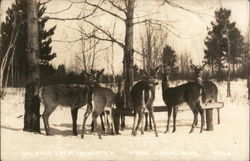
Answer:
x=124 y=80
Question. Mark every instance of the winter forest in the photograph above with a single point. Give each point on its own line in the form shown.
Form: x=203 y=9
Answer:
x=124 y=79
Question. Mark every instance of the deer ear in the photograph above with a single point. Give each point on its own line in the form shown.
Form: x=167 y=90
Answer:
x=203 y=66
x=192 y=67
x=92 y=71
x=101 y=71
x=147 y=73
x=157 y=68
x=85 y=74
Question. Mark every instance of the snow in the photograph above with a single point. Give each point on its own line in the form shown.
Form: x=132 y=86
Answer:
x=228 y=141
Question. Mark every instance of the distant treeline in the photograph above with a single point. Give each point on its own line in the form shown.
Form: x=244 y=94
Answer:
x=50 y=75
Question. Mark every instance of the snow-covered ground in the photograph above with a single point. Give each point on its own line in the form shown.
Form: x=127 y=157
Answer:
x=228 y=141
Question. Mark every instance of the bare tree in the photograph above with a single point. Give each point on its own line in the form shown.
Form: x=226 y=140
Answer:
x=32 y=103
x=153 y=41
x=184 y=65
x=127 y=9
x=248 y=62
x=124 y=12
x=7 y=62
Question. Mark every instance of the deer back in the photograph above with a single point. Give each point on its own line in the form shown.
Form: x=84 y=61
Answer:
x=65 y=96
x=103 y=97
x=136 y=93
x=188 y=92
x=211 y=90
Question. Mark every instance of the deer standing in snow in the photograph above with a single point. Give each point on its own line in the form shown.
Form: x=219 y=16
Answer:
x=189 y=93
x=74 y=97
x=142 y=97
x=211 y=90
x=100 y=99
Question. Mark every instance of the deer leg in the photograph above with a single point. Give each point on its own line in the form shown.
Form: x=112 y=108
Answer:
x=74 y=111
x=146 y=121
x=112 y=122
x=174 y=118
x=218 y=115
x=195 y=112
x=169 y=117
x=135 y=118
x=151 y=114
x=48 y=110
x=150 y=122
x=96 y=127
x=196 y=122
x=201 y=111
x=86 y=115
x=102 y=122
x=92 y=126
x=108 y=124
x=122 y=122
x=142 y=123
x=105 y=122
x=138 y=123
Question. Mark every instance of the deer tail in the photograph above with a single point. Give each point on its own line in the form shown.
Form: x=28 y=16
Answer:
x=40 y=95
x=150 y=97
x=203 y=94
x=143 y=99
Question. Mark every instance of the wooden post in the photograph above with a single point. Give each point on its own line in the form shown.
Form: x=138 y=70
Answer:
x=116 y=116
x=209 y=119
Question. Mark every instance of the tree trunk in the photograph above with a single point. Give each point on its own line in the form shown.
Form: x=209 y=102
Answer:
x=149 y=46
x=128 y=52
x=248 y=62
x=212 y=67
x=228 y=59
x=248 y=83
x=233 y=75
x=32 y=103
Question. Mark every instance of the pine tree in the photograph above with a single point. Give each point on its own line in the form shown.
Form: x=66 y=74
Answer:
x=18 y=13
x=216 y=41
x=169 y=60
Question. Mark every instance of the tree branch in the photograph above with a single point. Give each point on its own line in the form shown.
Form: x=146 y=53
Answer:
x=98 y=28
x=105 y=10
x=79 y=17
x=43 y=3
x=69 y=41
x=71 y=4
x=181 y=7
x=117 y=7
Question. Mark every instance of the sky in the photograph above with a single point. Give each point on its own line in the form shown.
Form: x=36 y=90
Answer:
x=191 y=28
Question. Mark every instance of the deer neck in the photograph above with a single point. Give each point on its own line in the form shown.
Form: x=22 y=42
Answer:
x=164 y=83
x=199 y=80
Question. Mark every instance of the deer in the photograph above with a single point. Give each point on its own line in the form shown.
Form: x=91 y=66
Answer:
x=99 y=98
x=173 y=97
x=142 y=98
x=119 y=99
x=211 y=90
x=75 y=97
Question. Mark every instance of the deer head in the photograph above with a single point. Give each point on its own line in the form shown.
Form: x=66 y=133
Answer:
x=150 y=75
x=198 y=70
x=93 y=77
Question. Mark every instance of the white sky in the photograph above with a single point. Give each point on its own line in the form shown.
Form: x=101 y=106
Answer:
x=192 y=28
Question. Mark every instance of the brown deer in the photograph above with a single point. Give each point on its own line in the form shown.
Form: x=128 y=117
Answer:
x=99 y=98
x=211 y=90
x=74 y=97
x=142 y=97
x=173 y=97
x=119 y=100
